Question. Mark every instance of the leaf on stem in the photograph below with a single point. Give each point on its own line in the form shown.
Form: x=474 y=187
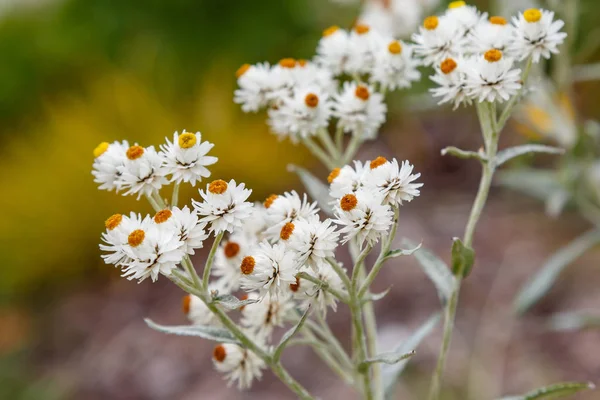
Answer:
x=541 y=282
x=573 y=321
x=206 y=332
x=512 y=152
x=288 y=336
x=553 y=391
x=402 y=252
x=231 y=302
x=464 y=154
x=539 y=184
x=375 y=296
x=317 y=190
x=463 y=258
x=437 y=271
x=391 y=373
x=385 y=358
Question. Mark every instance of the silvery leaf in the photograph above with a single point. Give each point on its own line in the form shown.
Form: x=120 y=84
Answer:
x=402 y=252
x=206 y=332
x=573 y=321
x=386 y=358
x=512 y=152
x=289 y=334
x=437 y=271
x=231 y=302
x=316 y=189
x=553 y=391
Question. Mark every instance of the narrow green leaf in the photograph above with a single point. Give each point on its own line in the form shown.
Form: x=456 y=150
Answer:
x=543 y=280
x=435 y=269
x=554 y=391
x=573 y=321
x=231 y=302
x=288 y=335
x=512 y=152
x=539 y=184
x=464 y=154
x=402 y=252
x=376 y=296
x=463 y=258
x=316 y=189
x=385 y=358
x=391 y=373
x=206 y=332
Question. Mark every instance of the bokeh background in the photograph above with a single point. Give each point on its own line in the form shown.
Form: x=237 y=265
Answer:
x=74 y=73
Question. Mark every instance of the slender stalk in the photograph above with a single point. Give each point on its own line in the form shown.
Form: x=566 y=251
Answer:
x=189 y=267
x=333 y=341
x=324 y=286
x=153 y=203
x=339 y=139
x=340 y=272
x=159 y=200
x=351 y=150
x=506 y=113
x=290 y=382
x=328 y=143
x=175 y=197
x=318 y=152
x=210 y=259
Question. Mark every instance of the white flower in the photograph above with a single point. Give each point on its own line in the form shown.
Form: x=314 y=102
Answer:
x=186 y=159
x=281 y=81
x=256 y=224
x=302 y=115
x=452 y=81
x=536 y=34
x=238 y=364
x=142 y=171
x=333 y=50
x=364 y=44
x=309 y=74
x=114 y=240
x=491 y=77
x=108 y=158
x=495 y=33
x=394 y=182
x=267 y=314
x=184 y=222
x=253 y=82
x=347 y=179
x=361 y=110
x=363 y=216
x=313 y=241
x=395 y=67
x=438 y=39
x=312 y=293
x=197 y=312
x=466 y=17
x=286 y=208
x=224 y=205
x=152 y=251
x=268 y=269
x=229 y=258
x=397 y=18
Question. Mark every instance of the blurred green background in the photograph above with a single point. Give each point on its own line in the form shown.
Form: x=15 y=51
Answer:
x=78 y=72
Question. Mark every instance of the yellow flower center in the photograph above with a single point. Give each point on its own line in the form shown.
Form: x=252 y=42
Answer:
x=287 y=62
x=247 y=265
x=302 y=63
x=311 y=100
x=430 y=23
x=186 y=304
x=362 y=92
x=333 y=174
x=269 y=201
x=136 y=237
x=162 y=216
x=377 y=162
x=219 y=353
x=497 y=20
x=361 y=29
x=113 y=221
x=187 y=140
x=395 y=47
x=217 y=187
x=231 y=249
x=331 y=30
x=294 y=287
x=456 y=4
x=532 y=15
x=287 y=231
x=448 y=65
x=348 y=202
x=242 y=70
x=100 y=149
x=493 y=55
x=134 y=152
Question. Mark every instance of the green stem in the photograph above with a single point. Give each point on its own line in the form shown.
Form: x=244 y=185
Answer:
x=506 y=113
x=153 y=203
x=340 y=272
x=324 y=286
x=159 y=200
x=210 y=259
x=329 y=145
x=332 y=339
x=339 y=139
x=318 y=152
x=175 y=197
x=351 y=150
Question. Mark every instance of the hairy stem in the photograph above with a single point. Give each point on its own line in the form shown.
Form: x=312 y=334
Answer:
x=175 y=197
x=329 y=145
x=324 y=286
x=210 y=259
x=319 y=153
x=153 y=203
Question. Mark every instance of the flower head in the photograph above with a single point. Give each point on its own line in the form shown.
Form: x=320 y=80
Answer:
x=395 y=67
x=394 y=182
x=264 y=316
x=224 y=205
x=536 y=34
x=360 y=109
x=108 y=159
x=313 y=241
x=491 y=77
x=142 y=171
x=348 y=179
x=186 y=157
x=238 y=364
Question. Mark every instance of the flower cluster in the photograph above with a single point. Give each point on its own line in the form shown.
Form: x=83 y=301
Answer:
x=475 y=56
x=302 y=97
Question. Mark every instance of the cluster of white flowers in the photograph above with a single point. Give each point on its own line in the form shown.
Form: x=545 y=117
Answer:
x=398 y=18
x=476 y=57
x=302 y=97
x=143 y=171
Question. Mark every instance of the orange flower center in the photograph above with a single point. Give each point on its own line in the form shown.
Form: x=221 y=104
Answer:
x=361 y=29
x=247 y=265
x=532 y=15
x=311 y=100
x=134 y=152
x=287 y=231
x=377 y=162
x=219 y=353
x=217 y=187
x=331 y=30
x=493 y=55
x=187 y=140
x=113 y=221
x=242 y=70
x=162 y=216
x=348 y=202
x=287 y=62
x=269 y=201
x=362 y=92
x=186 y=303
x=497 y=20
x=448 y=65
x=136 y=237
x=333 y=174
x=430 y=23
x=231 y=249
x=395 y=47
x=295 y=286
